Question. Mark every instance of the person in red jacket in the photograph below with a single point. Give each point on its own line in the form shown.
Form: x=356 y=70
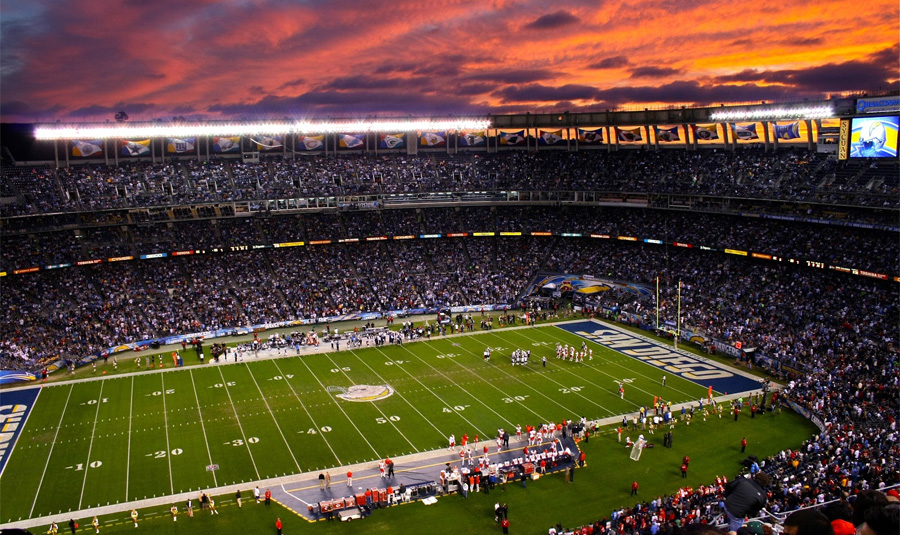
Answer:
x=505 y=525
x=268 y=497
x=684 y=468
x=634 y=488
x=743 y=444
x=278 y=525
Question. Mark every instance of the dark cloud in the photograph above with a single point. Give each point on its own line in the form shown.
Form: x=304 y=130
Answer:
x=292 y=83
x=872 y=73
x=543 y=93
x=653 y=72
x=552 y=21
x=520 y=76
x=613 y=62
x=692 y=92
x=362 y=82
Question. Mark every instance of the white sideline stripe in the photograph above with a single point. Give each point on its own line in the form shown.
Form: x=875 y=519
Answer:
x=589 y=400
x=166 y=425
x=128 y=454
x=52 y=444
x=688 y=396
x=294 y=496
x=334 y=400
x=311 y=419
x=443 y=434
x=481 y=379
x=87 y=464
x=202 y=427
x=238 y=420
x=13 y=447
x=280 y=432
x=408 y=441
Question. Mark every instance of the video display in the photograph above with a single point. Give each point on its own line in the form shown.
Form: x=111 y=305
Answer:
x=874 y=137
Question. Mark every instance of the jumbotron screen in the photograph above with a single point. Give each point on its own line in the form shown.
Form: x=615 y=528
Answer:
x=874 y=137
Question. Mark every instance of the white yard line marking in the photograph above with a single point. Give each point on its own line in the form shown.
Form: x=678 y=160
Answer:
x=166 y=425
x=689 y=397
x=550 y=379
x=58 y=427
x=272 y=414
x=238 y=420
x=470 y=394
x=313 y=420
x=128 y=455
x=87 y=464
x=334 y=400
x=582 y=396
x=375 y=406
x=202 y=427
x=432 y=392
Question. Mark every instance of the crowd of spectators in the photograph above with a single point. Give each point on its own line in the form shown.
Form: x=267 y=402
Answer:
x=831 y=336
x=790 y=175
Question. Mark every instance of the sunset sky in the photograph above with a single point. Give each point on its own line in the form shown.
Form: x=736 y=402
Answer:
x=204 y=59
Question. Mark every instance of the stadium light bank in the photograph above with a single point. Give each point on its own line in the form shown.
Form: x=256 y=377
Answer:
x=152 y=130
x=818 y=112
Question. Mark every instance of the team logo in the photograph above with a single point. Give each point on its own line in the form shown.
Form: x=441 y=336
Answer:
x=362 y=392
x=872 y=139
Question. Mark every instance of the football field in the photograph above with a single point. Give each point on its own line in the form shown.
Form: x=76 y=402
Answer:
x=142 y=435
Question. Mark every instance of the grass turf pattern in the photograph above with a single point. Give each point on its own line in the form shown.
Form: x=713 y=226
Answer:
x=91 y=443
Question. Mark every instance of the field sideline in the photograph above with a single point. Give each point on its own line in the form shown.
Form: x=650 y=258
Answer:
x=126 y=438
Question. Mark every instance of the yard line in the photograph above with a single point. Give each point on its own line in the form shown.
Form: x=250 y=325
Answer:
x=550 y=379
x=578 y=394
x=128 y=455
x=274 y=420
x=413 y=446
x=238 y=419
x=473 y=396
x=58 y=426
x=313 y=420
x=333 y=400
x=433 y=393
x=632 y=370
x=87 y=463
x=166 y=423
x=202 y=427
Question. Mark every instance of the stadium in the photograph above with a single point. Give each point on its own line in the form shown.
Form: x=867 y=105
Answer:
x=576 y=320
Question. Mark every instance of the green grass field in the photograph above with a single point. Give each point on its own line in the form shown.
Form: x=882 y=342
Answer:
x=119 y=439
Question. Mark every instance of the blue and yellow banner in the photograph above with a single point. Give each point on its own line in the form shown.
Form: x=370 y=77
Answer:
x=550 y=137
x=180 y=145
x=433 y=139
x=787 y=131
x=83 y=149
x=311 y=142
x=223 y=145
x=351 y=141
x=594 y=135
x=135 y=148
x=391 y=141
x=472 y=139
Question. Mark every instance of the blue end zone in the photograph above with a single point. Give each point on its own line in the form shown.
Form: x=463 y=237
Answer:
x=691 y=367
x=15 y=406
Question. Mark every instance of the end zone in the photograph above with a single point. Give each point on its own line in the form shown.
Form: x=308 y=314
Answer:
x=15 y=406
x=694 y=368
